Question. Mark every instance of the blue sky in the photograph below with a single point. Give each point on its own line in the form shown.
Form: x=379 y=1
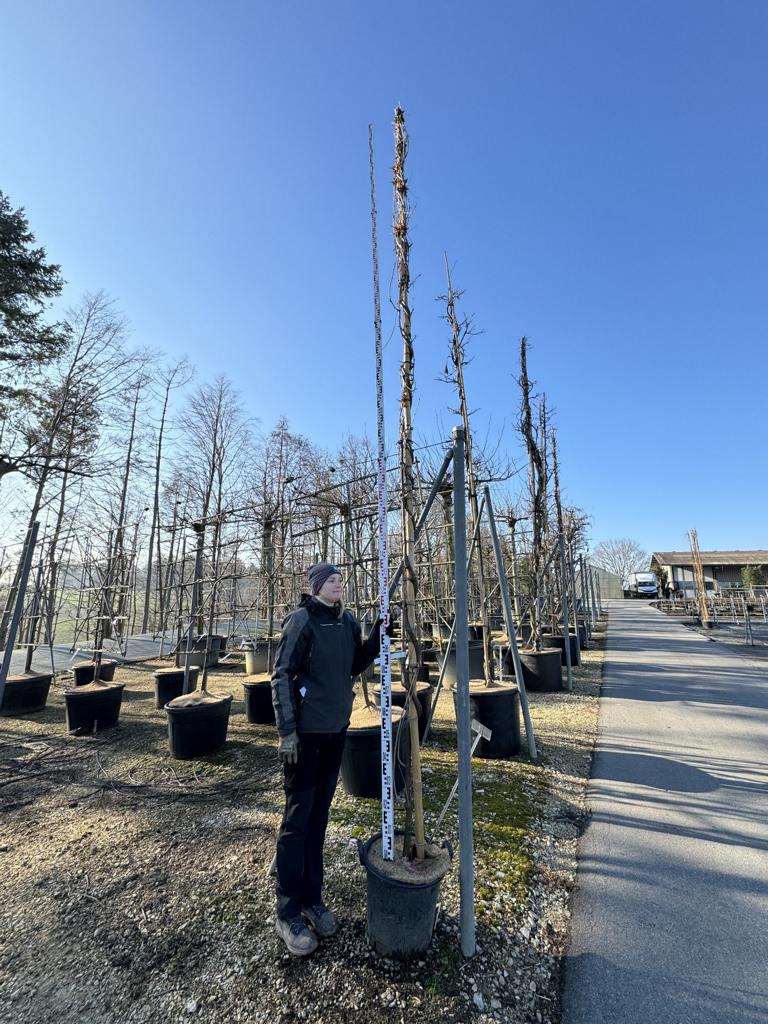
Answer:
x=596 y=172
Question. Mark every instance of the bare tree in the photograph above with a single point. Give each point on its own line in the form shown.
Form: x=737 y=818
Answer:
x=461 y=331
x=407 y=481
x=537 y=484
x=621 y=557
x=174 y=376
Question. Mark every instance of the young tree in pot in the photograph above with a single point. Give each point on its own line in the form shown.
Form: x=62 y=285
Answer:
x=96 y=705
x=402 y=890
x=540 y=665
x=197 y=721
x=494 y=704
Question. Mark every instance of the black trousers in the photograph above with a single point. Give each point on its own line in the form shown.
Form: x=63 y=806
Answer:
x=309 y=788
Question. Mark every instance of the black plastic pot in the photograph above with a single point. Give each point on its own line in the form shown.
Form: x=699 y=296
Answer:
x=25 y=694
x=559 y=641
x=93 y=707
x=200 y=729
x=258 y=701
x=256 y=659
x=361 y=759
x=211 y=644
x=542 y=670
x=423 y=698
x=476 y=665
x=498 y=709
x=401 y=915
x=196 y=659
x=85 y=672
x=523 y=633
x=430 y=656
x=169 y=684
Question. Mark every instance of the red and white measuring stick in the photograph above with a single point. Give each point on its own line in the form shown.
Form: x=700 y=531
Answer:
x=387 y=775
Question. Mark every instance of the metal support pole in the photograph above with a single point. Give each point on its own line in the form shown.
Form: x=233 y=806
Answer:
x=452 y=633
x=423 y=517
x=10 y=639
x=463 y=717
x=574 y=597
x=511 y=629
x=584 y=597
x=199 y=529
x=592 y=593
x=566 y=616
x=34 y=613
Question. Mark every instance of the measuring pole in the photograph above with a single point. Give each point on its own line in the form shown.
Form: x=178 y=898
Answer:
x=387 y=774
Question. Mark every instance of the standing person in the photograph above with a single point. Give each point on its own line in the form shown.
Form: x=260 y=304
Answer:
x=321 y=650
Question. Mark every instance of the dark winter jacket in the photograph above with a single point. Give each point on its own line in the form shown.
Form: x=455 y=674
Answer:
x=320 y=652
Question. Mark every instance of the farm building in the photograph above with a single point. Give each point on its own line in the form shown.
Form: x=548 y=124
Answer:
x=722 y=569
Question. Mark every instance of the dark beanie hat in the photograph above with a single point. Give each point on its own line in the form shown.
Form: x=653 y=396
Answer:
x=319 y=573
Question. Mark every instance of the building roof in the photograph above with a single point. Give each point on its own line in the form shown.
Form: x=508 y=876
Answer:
x=711 y=557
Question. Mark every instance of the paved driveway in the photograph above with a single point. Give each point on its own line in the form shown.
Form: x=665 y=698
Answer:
x=670 y=915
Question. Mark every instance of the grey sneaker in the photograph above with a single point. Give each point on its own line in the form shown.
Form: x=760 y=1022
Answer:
x=322 y=919
x=299 y=940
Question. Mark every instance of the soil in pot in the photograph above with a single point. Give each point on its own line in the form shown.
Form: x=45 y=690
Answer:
x=542 y=670
x=361 y=760
x=497 y=707
x=402 y=896
x=85 y=672
x=93 y=707
x=26 y=693
x=423 y=699
x=257 y=690
x=198 y=723
x=169 y=684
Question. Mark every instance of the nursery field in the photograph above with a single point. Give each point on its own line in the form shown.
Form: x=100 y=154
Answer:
x=136 y=886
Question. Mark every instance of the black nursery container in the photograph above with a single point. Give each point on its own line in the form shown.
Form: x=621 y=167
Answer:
x=169 y=684
x=197 y=730
x=85 y=672
x=498 y=709
x=93 y=707
x=361 y=759
x=558 y=640
x=401 y=915
x=476 y=663
x=25 y=694
x=423 y=699
x=259 y=709
x=542 y=670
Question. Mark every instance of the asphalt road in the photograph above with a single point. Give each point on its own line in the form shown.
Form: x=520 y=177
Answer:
x=670 y=913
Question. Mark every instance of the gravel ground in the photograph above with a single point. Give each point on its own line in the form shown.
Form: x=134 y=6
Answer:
x=135 y=885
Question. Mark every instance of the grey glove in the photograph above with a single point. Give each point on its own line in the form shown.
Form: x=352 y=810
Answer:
x=288 y=748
